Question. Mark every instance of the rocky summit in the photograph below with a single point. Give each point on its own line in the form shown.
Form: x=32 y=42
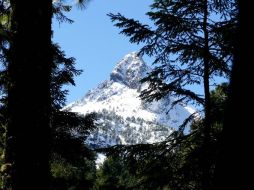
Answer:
x=123 y=118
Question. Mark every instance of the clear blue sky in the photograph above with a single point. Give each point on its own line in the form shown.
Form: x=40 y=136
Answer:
x=95 y=42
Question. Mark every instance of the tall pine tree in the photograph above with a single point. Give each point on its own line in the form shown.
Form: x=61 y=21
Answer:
x=189 y=45
x=192 y=44
x=29 y=53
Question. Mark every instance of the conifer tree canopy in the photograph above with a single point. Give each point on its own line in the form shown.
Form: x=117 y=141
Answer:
x=192 y=44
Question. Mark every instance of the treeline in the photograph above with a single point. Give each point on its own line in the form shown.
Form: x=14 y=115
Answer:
x=114 y=129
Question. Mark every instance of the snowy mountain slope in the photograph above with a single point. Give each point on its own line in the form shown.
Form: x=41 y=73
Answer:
x=123 y=117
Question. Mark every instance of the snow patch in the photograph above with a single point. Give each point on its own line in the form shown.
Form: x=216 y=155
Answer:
x=123 y=117
x=100 y=160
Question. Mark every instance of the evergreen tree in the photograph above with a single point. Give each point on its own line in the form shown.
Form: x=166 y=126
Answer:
x=114 y=175
x=190 y=43
x=27 y=53
x=69 y=155
x=72 y=163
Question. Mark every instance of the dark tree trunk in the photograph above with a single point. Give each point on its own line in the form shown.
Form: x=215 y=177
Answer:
x=207 y=119
x=28 y=128
x=235 y=161
x=206 y=77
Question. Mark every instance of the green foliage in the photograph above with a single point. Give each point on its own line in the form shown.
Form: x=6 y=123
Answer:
x=68 y=136
x=68 y=130
x=191 y=43
x=114 y=175
x=63 y=73
x=69 y=175
x=219 y=101
x=72 y=162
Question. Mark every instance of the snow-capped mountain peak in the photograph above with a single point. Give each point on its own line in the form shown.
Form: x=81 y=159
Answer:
x=124 y=118
x=130 y=70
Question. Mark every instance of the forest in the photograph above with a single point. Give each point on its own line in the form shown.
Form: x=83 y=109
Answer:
x=191 y=42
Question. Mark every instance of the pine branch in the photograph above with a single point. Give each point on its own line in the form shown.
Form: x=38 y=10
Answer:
x=135 y=30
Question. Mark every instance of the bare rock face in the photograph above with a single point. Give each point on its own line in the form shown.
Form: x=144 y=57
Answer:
x=129 y=71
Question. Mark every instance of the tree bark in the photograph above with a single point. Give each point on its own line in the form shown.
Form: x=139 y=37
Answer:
x=29 y=70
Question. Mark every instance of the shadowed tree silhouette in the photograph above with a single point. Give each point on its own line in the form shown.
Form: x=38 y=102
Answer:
x=190 y=43
x=235 y=161
x=28 y=55
x=29 y=69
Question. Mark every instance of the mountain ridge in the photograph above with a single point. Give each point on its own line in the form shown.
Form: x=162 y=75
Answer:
x=123 y=118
